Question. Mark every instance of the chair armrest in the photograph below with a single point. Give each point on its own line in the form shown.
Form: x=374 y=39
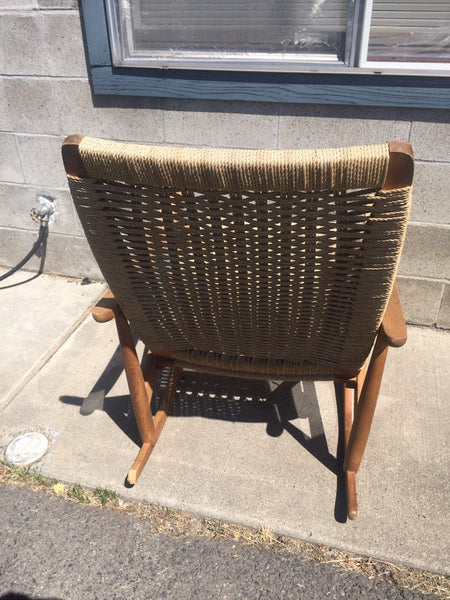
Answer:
x=106 y=308
x=393 y=325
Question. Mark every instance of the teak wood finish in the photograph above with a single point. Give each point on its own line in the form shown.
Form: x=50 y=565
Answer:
x=360 y=392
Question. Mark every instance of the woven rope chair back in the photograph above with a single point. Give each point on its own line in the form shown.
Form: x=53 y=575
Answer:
x=264 y=263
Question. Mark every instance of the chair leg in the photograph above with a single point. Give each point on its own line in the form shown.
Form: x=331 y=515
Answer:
x=350 y=399
x=159 y=422
x=138 y=391
x=361 y=377
x=363 y=399
x=141 y=391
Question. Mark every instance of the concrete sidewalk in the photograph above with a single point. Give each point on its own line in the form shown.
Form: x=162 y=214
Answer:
x=225 y=452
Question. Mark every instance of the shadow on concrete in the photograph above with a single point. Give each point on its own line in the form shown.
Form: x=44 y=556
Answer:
x=118 y=409
x=13 y=596
x=230 y=399
x=96 y=398
x=340 y=506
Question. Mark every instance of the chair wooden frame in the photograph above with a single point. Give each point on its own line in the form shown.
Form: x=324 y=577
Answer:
x=360 y=391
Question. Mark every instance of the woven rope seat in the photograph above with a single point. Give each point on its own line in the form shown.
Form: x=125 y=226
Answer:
x=270 y=263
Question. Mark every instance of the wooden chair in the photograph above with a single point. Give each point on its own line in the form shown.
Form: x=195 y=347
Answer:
x=271 y=264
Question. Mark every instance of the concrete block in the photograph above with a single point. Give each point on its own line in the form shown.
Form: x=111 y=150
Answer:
x=322 y=126
x=15 y=244
x=58 y=4
x=18 y=200
x=430 y=139
x=10 y=167
x=64 y=37
x=431 y=198
x=443 y=320
x=231 y=124
x=19 y=4
x=426 y=251
x=69 y=255
x=123 y=118
x=66 y=255
x=420 y=299
x=53 y=44
x=29 y=105
x=41 y=160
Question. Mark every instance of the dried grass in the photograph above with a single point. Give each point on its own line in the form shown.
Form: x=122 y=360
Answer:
x=179 y=524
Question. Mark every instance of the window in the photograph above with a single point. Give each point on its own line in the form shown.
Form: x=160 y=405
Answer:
x=410 y=34
x=401 y=36
x=342 y=52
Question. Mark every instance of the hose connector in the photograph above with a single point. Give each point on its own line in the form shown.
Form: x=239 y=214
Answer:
x=46 y=211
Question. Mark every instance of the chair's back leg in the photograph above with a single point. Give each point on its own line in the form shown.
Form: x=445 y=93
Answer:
x=360 y=378
x=360 y=398
x=350 y=398
x=149 y=372
x=365 y=408
x=159 y=421
x=171 y=389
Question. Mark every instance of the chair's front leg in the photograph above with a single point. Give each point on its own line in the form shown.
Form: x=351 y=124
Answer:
x=139 y=397
x=140 y=391
x=365 y=408
x=141 y=387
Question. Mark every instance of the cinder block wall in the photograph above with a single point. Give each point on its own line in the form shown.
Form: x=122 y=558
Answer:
x=45 y=95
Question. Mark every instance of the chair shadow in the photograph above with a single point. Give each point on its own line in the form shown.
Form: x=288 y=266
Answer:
x=14 y=596
x=230 y=399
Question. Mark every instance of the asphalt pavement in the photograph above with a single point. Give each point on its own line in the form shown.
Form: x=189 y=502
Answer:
x=54 y=548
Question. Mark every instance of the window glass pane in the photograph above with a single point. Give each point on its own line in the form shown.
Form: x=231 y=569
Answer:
x=239 y=26
x=410 y=31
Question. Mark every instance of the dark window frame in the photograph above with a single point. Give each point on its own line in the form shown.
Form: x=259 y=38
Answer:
x=303 y=88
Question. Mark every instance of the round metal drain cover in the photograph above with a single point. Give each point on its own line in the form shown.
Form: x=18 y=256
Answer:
x=26 y=449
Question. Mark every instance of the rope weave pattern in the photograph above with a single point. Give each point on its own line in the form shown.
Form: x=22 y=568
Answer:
x=234 y=170
x=250 y=281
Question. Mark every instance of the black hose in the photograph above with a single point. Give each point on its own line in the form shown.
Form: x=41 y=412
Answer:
x=42 y=240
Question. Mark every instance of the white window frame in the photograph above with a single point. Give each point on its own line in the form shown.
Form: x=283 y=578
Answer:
x=387 y=67
x=118 y=13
